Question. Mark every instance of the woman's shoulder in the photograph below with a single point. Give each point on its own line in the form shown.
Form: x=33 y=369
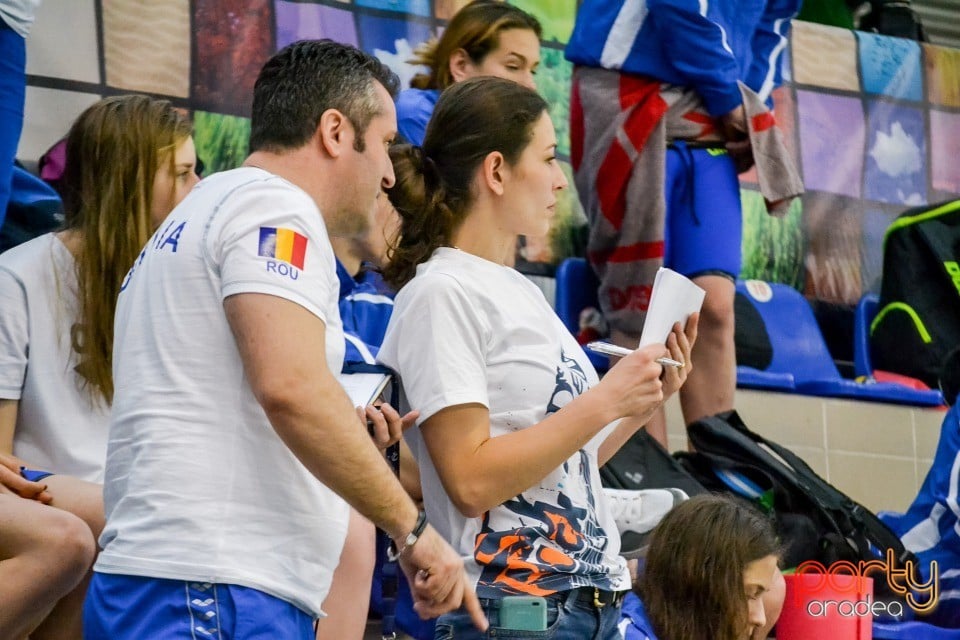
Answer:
x=431 y=281
x=448 y=275
x=33 y=255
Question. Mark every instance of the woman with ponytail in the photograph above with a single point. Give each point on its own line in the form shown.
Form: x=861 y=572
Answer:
x=514 y=422
x=484 y=38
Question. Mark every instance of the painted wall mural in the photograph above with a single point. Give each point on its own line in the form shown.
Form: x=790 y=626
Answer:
x=873 y=121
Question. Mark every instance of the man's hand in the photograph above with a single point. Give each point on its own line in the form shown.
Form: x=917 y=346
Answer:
x=734 y=124
x=735 y=131
x=438 y=581
x=386 y=424
x=12 y=482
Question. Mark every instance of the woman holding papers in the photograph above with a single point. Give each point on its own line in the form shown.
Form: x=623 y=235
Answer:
x=513 y=420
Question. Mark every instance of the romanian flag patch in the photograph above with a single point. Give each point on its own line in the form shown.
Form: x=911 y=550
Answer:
x=283 y=244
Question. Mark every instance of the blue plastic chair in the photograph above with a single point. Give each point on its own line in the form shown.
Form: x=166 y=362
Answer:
x=577 y=290
x=865 y=313
x=800 y=352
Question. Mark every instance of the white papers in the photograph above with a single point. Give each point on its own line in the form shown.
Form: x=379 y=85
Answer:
x=364 y=388
x=673 y=299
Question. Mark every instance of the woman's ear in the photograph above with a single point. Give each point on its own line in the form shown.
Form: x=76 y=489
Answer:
x=334 y=131
x=461 y=66
x=494 y=170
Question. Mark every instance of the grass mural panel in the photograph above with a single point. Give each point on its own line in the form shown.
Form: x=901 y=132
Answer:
x=553 y=83
x=222 y=141
x=773 y=248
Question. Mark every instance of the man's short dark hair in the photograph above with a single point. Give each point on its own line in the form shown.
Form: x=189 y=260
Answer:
x=308 y=77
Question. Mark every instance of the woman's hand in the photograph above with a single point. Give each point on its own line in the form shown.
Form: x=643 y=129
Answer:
x=633 y=387
x=385 y=423
x=680 y=343
x=12 y=482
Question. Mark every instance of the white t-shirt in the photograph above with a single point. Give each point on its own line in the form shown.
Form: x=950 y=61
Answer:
x=198 y=484
x=466 y=330
x=19 y=14
x=60 y=427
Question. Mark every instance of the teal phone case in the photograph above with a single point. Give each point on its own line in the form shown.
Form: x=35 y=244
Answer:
x=523 y=613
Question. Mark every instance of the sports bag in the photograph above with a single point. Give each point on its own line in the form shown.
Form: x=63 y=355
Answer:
x=643 y=463
x=815 y=520
x=918 y=319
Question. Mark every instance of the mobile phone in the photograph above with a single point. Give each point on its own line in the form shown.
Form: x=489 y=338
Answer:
x=523 y=613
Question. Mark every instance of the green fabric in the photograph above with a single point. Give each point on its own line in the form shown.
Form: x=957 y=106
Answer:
x=833 y=12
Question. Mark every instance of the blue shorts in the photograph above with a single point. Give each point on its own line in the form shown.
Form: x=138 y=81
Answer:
x=704 y=219
x=34 y=475
x=122 y=607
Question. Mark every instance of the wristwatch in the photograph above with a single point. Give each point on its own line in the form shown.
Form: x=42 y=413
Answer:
x=393 y=553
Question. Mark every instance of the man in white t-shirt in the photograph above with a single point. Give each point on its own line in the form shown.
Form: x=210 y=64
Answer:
x=226 y=411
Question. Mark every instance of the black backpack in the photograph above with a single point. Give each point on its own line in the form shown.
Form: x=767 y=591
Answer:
x=815 y=520
x=918 y=320
x=644 y=463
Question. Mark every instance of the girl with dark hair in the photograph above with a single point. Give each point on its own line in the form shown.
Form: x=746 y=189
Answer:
x=514 y=422
x=711 y=572
x=484 y=38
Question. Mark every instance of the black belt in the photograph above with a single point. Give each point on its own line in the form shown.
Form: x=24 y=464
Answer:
x=598 y=598
x=701 y=144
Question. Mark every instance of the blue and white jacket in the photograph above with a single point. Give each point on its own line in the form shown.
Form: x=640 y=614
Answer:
x=366 y=304
x=931 y=526
x=707 y=45
x=634 y=624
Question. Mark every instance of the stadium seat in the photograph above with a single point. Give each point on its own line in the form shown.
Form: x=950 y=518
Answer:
x=577 y=290
x=863 y=316
x=800 y=352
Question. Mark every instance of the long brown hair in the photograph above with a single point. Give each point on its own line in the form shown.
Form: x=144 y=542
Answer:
x=692 y=584
x=114 y=150
x=475 y=29
x=432 y=192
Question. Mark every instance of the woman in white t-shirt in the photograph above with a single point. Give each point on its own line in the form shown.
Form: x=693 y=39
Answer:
x=130 y=160
x=514 y=422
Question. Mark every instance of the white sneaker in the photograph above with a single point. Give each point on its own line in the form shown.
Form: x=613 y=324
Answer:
x=638 y=512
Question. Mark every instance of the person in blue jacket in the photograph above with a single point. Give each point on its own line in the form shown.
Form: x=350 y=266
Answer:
x=484 y=38
x=366 y=303
x=658 y=135
x=931 y=525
